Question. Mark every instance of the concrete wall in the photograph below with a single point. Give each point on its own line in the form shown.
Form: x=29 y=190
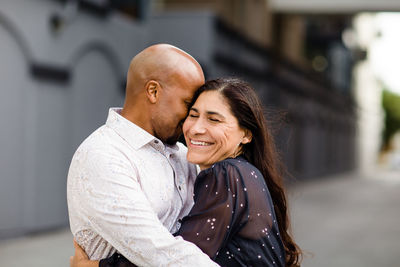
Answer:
x=368 y=95
x=56 y=88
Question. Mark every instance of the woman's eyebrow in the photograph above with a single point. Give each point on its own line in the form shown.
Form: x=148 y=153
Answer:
x=215 y=113
x=208 y=112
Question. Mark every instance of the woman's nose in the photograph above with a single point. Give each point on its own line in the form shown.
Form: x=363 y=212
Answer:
x=198 y=127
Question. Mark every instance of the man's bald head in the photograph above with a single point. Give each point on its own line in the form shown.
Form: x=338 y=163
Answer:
x=160 y=62
x=161 y=82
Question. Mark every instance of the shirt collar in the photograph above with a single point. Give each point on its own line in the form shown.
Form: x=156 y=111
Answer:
x=133 y=134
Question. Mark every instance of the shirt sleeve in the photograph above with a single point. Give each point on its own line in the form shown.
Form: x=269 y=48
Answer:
x=112 y=201
x=219 y=210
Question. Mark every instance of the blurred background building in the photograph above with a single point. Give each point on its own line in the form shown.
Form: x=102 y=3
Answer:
x=63 y=63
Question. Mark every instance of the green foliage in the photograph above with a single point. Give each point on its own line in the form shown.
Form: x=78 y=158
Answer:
x=391 y=106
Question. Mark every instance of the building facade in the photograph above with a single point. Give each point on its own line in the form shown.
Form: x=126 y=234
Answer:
x=64 y=65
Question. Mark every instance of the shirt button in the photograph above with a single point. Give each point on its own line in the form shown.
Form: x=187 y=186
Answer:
x=156 y=141
x=180 y=188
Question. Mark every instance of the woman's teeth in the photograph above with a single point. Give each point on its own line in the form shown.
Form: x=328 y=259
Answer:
x=199 y=143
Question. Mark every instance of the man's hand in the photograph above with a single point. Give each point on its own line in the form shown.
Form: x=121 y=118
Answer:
x=81 y=259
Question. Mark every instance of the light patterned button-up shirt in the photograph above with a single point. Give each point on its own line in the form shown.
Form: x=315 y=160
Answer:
x=127 y=191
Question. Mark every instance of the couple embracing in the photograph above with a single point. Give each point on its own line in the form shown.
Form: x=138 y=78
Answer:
x=138 y=197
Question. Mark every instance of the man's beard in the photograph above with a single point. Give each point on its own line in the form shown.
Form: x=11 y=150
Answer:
x=176 y=136
x=172 y=140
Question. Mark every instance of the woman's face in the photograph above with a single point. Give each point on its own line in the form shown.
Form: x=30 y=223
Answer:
x=211 y=131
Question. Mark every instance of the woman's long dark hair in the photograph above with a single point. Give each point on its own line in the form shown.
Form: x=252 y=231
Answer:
x=261 y=152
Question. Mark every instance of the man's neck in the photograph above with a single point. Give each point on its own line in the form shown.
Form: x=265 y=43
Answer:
x=136 y=116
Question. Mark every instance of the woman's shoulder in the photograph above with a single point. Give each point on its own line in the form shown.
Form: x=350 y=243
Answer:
x=239 y=162
x=237 y=165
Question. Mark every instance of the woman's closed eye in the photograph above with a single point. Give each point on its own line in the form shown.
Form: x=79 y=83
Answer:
x=214 y=120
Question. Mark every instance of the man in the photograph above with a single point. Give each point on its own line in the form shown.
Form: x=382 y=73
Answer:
x=129 y=182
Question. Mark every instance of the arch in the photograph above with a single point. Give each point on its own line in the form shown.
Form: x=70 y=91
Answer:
x=100 y=46
x=10 y=27
x=94 y=75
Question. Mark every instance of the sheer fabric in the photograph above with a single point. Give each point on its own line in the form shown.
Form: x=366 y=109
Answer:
x=233 y=219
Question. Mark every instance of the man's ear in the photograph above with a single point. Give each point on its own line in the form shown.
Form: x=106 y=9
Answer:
x=247 y=137
x=152 y=91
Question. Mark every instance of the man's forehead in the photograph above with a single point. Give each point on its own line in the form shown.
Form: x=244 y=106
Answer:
x=187 y=96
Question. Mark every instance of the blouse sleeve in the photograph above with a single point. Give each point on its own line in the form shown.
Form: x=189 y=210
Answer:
x=220 y=208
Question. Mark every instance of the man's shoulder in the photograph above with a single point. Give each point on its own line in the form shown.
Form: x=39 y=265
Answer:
x=100 y=147
x=102 y=138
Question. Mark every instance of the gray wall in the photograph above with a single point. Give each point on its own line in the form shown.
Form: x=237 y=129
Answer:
x=44 y=118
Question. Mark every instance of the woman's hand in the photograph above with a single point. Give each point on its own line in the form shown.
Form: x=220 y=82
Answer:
x=81 y=259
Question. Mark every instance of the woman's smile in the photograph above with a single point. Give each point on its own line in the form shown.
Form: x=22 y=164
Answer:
x=198 y=143
x=211 y=131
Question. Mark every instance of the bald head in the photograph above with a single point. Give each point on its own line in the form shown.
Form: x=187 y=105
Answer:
x=161 y=81
x=160 y=62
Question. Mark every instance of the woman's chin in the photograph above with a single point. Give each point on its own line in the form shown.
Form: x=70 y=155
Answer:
x=195 y=160
x=204 y=163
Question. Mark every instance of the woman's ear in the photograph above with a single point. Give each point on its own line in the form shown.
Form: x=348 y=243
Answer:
x=247 y=137
x=152 y=91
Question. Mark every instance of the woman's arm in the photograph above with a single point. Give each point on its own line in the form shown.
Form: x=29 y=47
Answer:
x=81 y=259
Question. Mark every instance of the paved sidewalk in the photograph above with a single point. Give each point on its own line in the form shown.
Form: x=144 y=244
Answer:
x=51 y=249
x=349 y=220
x=346 y=220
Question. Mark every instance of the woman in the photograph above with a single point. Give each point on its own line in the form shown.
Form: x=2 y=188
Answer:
x=240 y=215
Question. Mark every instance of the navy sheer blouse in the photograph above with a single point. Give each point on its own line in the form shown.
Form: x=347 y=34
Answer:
x=233 y=219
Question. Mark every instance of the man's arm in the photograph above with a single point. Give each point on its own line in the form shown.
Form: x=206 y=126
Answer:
x=113 y=202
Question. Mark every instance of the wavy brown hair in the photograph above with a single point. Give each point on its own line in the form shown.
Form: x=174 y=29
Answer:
x=261 y=152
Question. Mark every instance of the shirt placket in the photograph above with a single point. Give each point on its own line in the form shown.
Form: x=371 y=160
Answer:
x=178 y=176
x=171 y=157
